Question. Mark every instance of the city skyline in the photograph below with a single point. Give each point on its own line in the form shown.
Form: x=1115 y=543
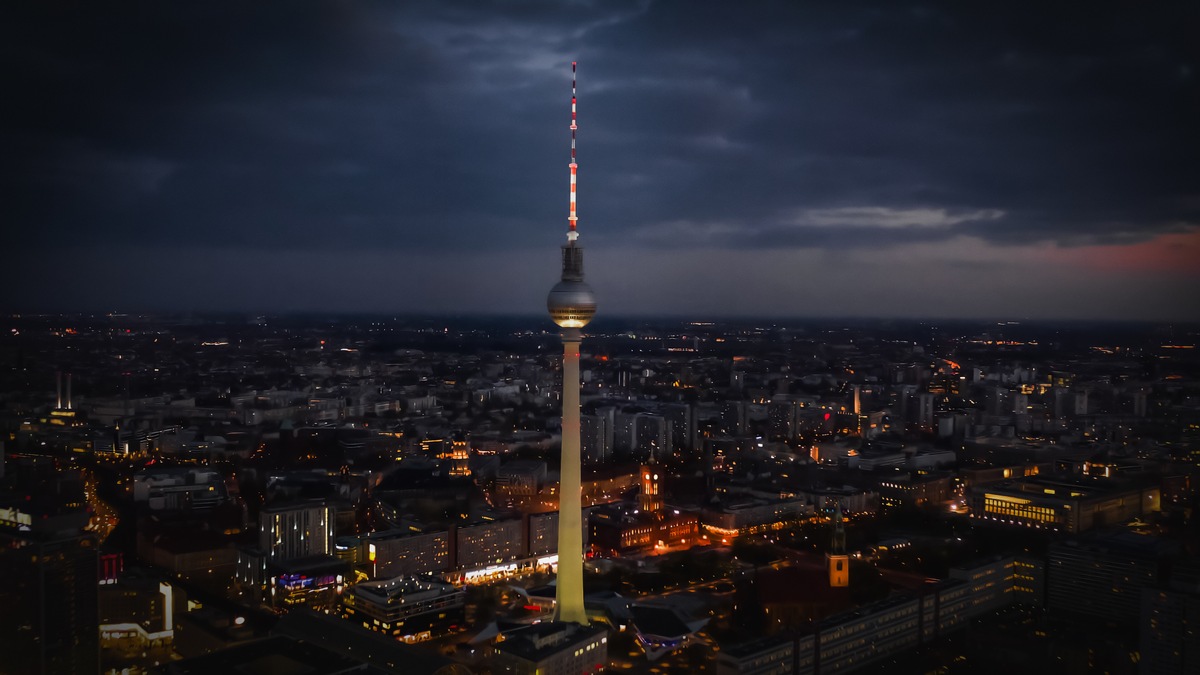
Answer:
x=790 y=161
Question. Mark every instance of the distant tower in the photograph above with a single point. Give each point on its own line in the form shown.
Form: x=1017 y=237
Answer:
x=571 y=306
x=60 y=403
x=650 y=498
x=858 y=409
x=925 y=411
x=839 y=562
x=460 y=457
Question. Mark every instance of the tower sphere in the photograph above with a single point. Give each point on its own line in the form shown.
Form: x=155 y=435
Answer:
x=571 y=304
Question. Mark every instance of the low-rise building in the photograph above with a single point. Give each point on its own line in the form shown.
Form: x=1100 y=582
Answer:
x=410 y=608
x=552 y=648
x=1068 y=504
x=915 y=490
x=753 y=514
x=622 y=529
x=178 y=488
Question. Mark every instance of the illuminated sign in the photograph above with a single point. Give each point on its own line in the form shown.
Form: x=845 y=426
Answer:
x=14 y=518
x=493 y=569
x=1005 y=498
x=298 y=581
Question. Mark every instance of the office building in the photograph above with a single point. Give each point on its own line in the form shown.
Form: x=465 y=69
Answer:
x=1062 y=503
x=489 y=542
x=682 y=420
x=1170 y=631
x=50 y=621
x=552 y=648
x=1104 y=575
x=412 y=609
x=596 y=438
x=295 y=530
x=393 y=553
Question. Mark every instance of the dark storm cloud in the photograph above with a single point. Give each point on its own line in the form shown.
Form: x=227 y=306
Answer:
x=1075 y=126
x=436 y=126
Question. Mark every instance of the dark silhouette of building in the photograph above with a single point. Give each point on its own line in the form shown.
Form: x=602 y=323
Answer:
x=49 y=602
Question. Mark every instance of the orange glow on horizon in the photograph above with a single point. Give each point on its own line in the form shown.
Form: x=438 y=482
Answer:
x=1175 y=252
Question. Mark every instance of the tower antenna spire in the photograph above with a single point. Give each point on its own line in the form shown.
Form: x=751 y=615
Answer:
x=573 y=219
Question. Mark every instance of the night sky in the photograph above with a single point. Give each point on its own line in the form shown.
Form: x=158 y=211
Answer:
x=1003 y=159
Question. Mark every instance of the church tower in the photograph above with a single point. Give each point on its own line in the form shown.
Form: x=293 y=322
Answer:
x=837 y=560
x=650 y=498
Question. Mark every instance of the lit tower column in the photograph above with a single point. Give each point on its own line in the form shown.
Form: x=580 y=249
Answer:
x=571 y=306
x=858 y=409
x=837 y=560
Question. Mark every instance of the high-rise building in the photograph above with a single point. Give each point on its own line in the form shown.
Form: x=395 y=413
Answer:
x=783 y=416
x=595 y=438
x=1170 y=631
x=1104 y=575
x=925 y=411
x=571 y=305
x=625 y=432
x=735 y=416
x=49 y=621
x=652 y=437
x=289 y=531
x=682 y=418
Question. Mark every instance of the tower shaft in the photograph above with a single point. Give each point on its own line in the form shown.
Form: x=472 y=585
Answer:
x=569 y=592
x=571 y=306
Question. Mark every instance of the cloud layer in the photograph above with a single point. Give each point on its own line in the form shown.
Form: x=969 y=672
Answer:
x=708 y=130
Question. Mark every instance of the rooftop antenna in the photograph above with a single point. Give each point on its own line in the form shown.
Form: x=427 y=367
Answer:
x=572 y=219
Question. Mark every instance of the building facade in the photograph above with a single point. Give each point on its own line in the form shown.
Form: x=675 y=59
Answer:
x=296 y=530
x=412 y=609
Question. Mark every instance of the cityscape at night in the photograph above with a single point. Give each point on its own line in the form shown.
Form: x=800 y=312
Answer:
x=884 y=355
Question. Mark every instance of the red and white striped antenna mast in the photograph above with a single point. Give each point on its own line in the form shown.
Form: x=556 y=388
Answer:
x=572 y=219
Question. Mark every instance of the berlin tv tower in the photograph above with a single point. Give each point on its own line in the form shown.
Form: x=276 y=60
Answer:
x=571 y=306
